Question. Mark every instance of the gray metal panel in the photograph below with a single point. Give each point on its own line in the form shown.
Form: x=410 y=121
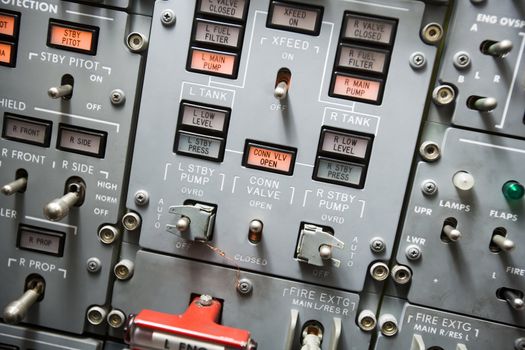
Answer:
x=464 y=276
x=487 y=76
x=356 y=215
x=70 y=288
x=26 y=338
x=165 y=284
x=444 y=330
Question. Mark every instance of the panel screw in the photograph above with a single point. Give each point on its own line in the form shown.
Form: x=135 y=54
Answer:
x=131 y=221
x=413 y=252
x=205 y=300
x=117 y=97
x=432 y=33
x=245 y=286
x=141 y=198
x=167 y=17
x=429 y=187
x=93 y=265
x=417 y=60
x=461 y=60
x=377 y=245
x=136 y=42
x=429 y=151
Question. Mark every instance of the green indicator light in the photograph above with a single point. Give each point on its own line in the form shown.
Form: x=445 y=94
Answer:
x=513 y=190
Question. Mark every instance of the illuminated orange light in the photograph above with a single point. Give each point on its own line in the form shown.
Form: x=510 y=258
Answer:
x=357 y=88
x=270 y=159
x=213 y=62
x=71 y=38
x=7 y=24
x=5 y=53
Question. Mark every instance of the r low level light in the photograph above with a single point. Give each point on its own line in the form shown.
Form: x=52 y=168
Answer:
x=513 y=190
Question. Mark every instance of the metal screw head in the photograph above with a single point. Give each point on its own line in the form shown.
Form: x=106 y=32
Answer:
x=93 y=265
x=117 y=97
x=519 y=344
x=167 y=17
x=244 y=286
x=131 y=221
x=366 y=320
x=429 y=187
x=141 y=198
x=379 y=271
x=123 y=270
x=443 y=95
x=413 y=252
x=429 y=151
x=136 y=42
x=205 y=300
x=108 y=234
x=461 y=60
x=432 y=33
x=96 y=315
x=417 y=60
x=116 y=318
x=401 y=274
x=388 y=325
x=377 y=245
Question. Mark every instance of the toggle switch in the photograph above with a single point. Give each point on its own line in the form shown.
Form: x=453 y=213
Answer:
x=498 y=49
x=196 y=328
x=62 y=91
x=315 y=246
x=463 y=181
x=513 y=298
x=255 y=230
x=16 y=311
x=59 y=208
x=19 y=185
x=482 y=104
x=502 y=242
x=451 y=232
x=196 y=221
x=282 y=83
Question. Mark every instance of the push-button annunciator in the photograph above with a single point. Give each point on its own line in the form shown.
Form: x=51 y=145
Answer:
x=498 y=49
x=59 y=208
x=16 y=311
